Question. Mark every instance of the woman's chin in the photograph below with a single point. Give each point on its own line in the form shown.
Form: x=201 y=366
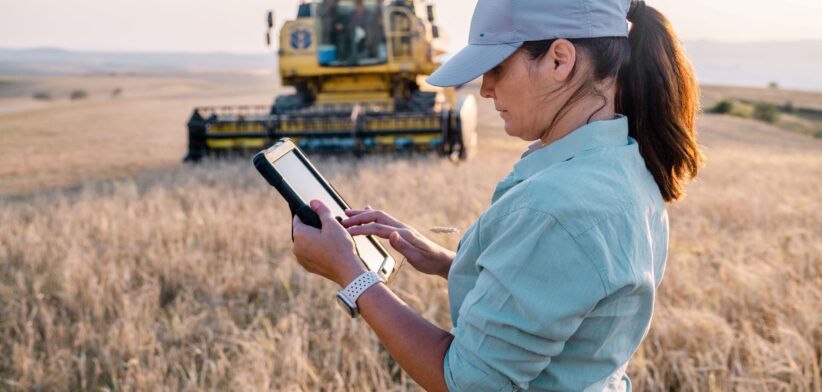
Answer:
x=511 y=131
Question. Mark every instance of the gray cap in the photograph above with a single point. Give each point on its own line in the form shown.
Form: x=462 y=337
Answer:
x=499 y=27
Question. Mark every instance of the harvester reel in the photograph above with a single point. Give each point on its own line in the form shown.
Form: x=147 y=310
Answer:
x=461 y=137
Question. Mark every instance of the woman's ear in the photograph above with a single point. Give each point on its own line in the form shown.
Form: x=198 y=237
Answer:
x=561 y=58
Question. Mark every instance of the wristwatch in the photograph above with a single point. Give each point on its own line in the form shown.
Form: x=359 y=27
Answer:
x=347 y=297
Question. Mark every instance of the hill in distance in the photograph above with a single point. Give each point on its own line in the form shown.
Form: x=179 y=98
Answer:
x=791 y=65
x=60 y=62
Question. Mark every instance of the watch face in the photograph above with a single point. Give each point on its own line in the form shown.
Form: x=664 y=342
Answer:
x=348 y=309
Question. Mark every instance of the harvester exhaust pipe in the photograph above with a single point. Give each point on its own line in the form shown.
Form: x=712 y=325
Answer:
x=270 y=20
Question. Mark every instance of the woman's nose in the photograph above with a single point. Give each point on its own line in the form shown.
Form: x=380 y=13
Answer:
x=487 y=88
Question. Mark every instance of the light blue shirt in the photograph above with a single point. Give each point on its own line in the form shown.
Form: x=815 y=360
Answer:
x=553 y=286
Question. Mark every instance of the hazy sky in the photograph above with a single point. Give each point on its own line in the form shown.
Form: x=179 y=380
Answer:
x=238 y=26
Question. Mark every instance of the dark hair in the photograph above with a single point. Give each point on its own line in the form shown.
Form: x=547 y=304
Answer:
x=656 y=90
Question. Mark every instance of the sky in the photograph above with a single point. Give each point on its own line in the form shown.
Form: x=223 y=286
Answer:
x=239 y=26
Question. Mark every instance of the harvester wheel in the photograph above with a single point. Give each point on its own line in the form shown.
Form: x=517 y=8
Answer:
x=461 y=141
x=196 y=137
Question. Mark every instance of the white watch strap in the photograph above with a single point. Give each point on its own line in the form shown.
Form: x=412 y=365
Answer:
x=359 y=285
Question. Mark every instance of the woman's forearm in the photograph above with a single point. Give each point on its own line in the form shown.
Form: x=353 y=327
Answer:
x=417 y=345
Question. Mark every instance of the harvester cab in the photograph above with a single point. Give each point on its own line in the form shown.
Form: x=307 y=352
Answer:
x=357 y=69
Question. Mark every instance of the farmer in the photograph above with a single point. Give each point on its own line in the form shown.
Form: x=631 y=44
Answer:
x=553 y=287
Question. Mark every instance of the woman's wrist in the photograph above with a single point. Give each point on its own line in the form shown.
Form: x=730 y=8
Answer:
x=447 y=257
x=352 y=268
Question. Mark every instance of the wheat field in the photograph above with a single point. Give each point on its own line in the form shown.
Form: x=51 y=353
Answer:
x=121 y=269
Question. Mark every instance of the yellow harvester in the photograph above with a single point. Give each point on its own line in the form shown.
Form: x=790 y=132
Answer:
x=358 y=70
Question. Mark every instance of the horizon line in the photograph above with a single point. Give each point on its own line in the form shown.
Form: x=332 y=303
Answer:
x=271 y=50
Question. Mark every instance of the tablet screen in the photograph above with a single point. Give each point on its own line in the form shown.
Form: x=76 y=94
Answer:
x=308 y=188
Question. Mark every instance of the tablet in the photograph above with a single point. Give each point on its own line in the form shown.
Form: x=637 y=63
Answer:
x=288 y=170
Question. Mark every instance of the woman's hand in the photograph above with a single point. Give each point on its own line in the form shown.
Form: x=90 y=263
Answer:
x=425 y=255
x=328 y=252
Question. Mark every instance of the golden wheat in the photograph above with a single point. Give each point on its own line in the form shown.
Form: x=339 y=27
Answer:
x=182 y=278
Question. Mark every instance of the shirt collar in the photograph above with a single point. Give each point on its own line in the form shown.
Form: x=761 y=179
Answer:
x=603 y=133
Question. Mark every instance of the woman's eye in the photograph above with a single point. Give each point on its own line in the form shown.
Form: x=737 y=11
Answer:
x=496 y=70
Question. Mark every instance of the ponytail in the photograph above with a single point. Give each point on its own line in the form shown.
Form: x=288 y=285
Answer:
x=659 y=94
x=656 y=90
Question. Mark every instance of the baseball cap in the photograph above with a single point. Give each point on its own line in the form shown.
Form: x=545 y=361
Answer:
x=500 y=27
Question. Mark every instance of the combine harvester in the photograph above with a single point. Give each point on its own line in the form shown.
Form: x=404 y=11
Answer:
x=358 y=68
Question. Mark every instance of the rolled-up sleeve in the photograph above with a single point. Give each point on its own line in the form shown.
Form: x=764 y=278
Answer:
x=535 y=286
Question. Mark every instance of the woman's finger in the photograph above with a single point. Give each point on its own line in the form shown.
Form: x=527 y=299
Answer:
x=353 y=212
x=369 y=217
x=361 y=214
x=297 y=228
x=322 y=212
x=358 y=219
x=377 y=229
x=413 y=239
x=400 y=244
x=403 y=246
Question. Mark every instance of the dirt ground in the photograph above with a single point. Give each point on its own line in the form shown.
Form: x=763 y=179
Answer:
x=62 y=142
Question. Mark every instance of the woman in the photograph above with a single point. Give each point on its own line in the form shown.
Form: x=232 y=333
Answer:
x=553 y=286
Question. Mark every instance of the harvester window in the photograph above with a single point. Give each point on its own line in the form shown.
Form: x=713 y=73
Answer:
x=304 y=11
x=351 y=32
x=401 y=32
